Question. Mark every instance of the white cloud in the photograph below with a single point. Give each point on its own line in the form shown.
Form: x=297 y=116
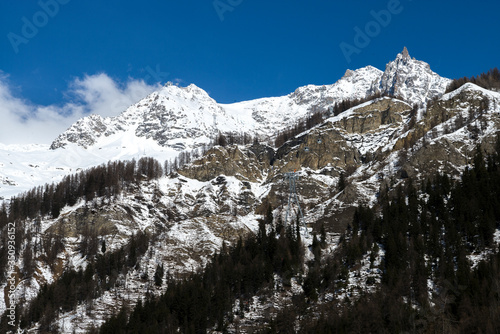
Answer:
x=22 y=122
x=102 y=95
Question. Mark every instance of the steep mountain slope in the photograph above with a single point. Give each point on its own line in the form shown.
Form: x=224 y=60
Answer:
x=347 y=161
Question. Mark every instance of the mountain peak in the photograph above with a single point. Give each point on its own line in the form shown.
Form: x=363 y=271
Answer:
x=403 y=58
x=405 y=53
x=411 y=79
x=187 y=91
x=348 y=73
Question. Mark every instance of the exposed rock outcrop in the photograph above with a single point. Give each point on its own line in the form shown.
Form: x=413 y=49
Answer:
x=247 y=165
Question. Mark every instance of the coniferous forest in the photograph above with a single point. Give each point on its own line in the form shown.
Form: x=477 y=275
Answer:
x=429 y=234
x=440 y=265
x=489 y=80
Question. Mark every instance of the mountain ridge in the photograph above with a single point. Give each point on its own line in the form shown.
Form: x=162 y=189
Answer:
x=402 y=77
x=177 y=119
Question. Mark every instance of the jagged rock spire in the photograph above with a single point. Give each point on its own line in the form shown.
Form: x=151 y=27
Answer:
x=405 y=53
x=412 y=80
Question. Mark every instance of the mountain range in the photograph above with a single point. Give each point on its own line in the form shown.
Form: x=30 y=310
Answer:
x=402 y=126
x=176 y=119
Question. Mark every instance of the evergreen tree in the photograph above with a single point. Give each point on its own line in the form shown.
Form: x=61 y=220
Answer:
x=342 y=182
x=159 y=274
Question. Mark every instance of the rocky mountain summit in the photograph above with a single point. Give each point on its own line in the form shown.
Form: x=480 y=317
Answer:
x=412 y=80
x=186 y=117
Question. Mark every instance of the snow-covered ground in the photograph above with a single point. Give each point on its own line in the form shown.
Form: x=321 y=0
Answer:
x=27 y=166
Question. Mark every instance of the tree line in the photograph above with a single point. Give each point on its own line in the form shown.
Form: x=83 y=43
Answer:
x=302 y=125
x=344 y=105
x=27 y=210
x=489 y=80
x=102 y=181
x=225 y=139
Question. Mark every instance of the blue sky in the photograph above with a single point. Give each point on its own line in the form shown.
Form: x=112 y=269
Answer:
x=60 y=57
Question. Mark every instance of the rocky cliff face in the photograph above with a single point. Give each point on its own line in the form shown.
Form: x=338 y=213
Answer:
x=375 y=145
x=86 y=132
x=452 y=128
x=242 y=163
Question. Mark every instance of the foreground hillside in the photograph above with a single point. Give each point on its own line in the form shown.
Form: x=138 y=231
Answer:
x=423 y=260
x=423 y=256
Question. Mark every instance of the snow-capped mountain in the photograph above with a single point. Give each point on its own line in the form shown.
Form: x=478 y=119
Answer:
x=373 y=147
x=176 y=119
x=412 y=80
x=186 y=117
x=173 y=116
